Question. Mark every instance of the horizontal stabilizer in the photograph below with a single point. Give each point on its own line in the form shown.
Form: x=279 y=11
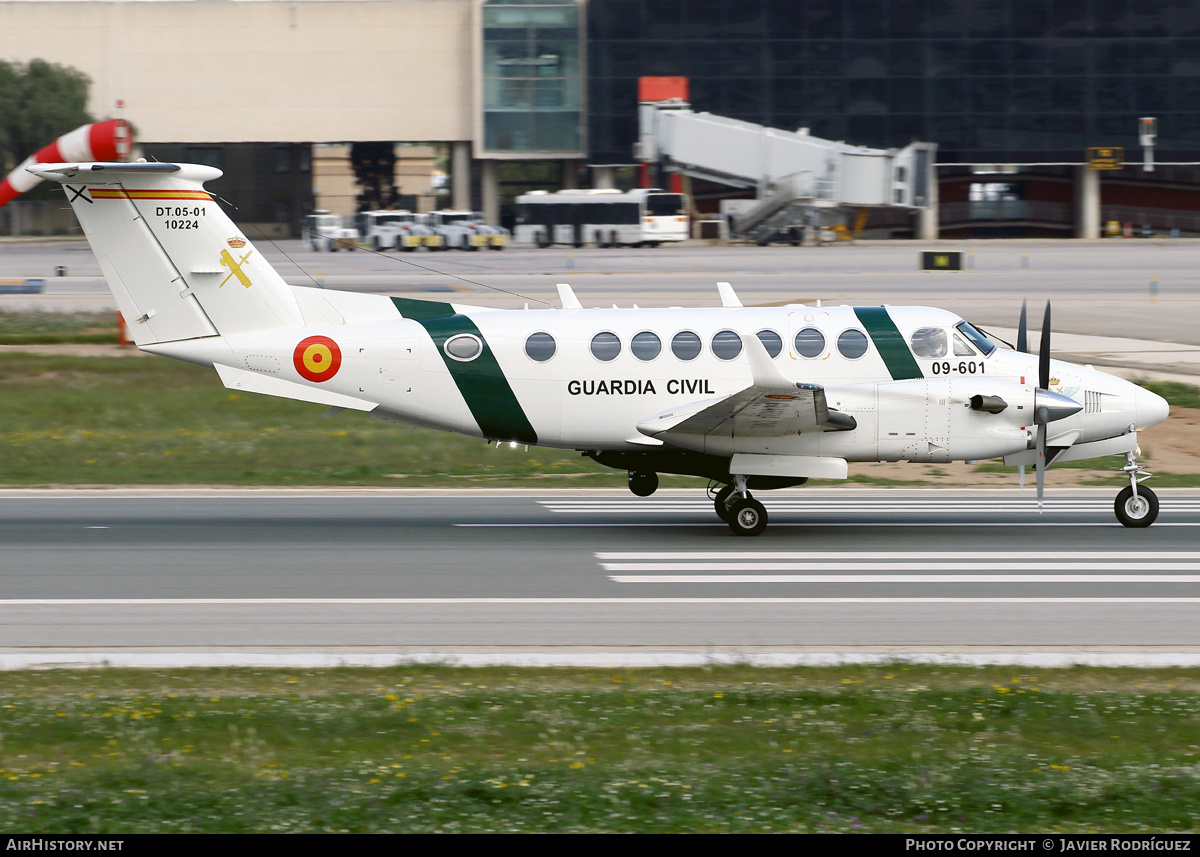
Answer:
x=253 y=382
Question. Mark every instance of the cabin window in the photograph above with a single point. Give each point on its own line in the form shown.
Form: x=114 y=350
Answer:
x=685 y=345
x=645 y=345
x=540 y=347
x=810 y=342
x=606 y=346
x=726 y=344
x=463 y=347
x=771 y=341
x=852 y=344
x=928 y=342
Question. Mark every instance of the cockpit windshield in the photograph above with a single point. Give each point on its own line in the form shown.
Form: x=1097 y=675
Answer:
x=975 y=337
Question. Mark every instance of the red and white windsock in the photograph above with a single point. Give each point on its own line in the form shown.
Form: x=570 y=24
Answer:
x=111 y=140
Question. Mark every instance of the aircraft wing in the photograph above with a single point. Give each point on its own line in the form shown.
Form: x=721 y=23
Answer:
x=753 y=412
x=771 y=406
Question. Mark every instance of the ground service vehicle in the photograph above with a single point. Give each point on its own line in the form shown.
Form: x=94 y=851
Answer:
x=465 y=230
x=604 y=217
x=396 y=230
x=326 y=231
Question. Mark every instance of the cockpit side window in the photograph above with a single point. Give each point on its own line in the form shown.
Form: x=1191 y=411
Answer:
x=961 y=349
x=976 y=338
x=928 y=342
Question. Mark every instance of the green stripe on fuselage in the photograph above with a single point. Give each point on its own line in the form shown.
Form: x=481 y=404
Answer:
x=889 y=343
x=418 y=310
x=481 y=382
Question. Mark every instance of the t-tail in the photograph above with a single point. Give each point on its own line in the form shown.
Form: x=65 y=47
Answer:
x=177 y=265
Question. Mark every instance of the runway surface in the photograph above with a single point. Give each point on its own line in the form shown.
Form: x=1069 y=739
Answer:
x=580 y=577
x=1142 y=289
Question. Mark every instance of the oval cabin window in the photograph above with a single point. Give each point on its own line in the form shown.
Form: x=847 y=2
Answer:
x=464 y=347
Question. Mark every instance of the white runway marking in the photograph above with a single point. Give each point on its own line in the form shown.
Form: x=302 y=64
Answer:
x=961 y=556
x=936 y=567
x=825 y=524
x=816 y=503
x=905 y=578
x=259 y=602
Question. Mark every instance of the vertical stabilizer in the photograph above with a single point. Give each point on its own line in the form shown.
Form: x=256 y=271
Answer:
x=177 y=265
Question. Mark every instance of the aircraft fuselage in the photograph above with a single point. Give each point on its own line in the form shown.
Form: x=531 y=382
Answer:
x=907 y=406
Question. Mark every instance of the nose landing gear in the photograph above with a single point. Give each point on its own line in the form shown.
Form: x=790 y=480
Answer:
x=1135 y=506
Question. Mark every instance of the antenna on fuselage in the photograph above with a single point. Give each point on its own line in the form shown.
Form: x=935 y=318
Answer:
x=729 y=297
x=567 y=297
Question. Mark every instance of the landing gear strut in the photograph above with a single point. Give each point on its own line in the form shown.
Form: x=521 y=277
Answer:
x=734 y=505
x=1136 y=506
x=721 y=502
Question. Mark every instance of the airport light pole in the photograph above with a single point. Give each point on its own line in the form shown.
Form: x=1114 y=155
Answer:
x=1147 y=131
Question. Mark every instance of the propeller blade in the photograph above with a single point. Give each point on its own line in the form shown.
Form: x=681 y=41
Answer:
x=1023 y=331
x=1044 y=352
x=1041 y=465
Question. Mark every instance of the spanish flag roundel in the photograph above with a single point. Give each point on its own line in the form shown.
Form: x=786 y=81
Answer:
x=317 y=358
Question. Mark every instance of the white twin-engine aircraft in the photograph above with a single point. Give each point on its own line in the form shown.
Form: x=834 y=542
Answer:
x=750 y=398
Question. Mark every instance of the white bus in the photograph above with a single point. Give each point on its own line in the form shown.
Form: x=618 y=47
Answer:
x=606 y=218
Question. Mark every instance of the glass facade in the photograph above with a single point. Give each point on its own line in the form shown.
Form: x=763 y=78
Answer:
x=532 y=76
x=987 y=80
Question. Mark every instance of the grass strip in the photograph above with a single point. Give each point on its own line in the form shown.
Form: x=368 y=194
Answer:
x=152 y=421
x=148 y=421
x=892 y=748
x=45 y=328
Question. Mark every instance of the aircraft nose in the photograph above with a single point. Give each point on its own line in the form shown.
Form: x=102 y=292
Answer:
x=1152 y=408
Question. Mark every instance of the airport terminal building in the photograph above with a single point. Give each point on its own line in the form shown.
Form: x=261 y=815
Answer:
x=522 y=94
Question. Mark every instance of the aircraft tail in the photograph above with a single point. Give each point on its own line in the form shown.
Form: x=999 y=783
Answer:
x=177 y=265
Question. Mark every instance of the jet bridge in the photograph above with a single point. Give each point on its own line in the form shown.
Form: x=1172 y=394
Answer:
x=799 y=179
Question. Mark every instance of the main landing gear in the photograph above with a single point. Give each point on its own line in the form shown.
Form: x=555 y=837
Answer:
x=734 y=505
x=1135 y=506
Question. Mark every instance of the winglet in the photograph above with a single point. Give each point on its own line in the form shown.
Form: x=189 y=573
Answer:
x=567 y=297
x=762 y=367
x=729 y=297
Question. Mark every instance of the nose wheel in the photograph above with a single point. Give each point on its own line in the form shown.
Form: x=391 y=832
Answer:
x=1136 y=510
x=1135 y=506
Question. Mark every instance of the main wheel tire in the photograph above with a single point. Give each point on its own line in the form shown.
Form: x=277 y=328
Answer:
x=747 y=516
x=599 y=239
x=613 y=240
x=721 y=503
x=1136 y=512
x=643 y=484
x=541 y=240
